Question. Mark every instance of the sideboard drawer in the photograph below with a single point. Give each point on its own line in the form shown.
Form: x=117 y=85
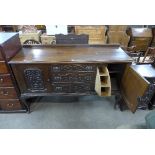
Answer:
x=61 y=88
x=73 y=87
x=10 y=105
x=5 y=80
x=3 y=68
x=8 y=93
x=73 y=77
x=73 y=68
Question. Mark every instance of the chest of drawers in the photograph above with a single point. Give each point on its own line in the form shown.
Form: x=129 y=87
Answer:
x=96 y=33
x=141 y=38
x=9 y=100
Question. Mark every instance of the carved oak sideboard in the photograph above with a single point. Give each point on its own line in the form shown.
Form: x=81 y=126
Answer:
x=68 y=69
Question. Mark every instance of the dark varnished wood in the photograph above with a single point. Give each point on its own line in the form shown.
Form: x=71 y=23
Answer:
x=5 y=80
x=3 y=68
x=9 y=46
x=71 y=54
x=8 y=93
x=10 y=105
x=1 y=56
x=54 y=75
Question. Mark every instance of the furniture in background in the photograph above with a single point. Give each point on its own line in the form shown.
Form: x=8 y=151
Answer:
x=117 y=28
x=9 y=28
x=153 y=40
x=31 y=42
x=71 y=39
x=30 y=36
x=9 y=93
x=117 y=35
x=149 y=55
x=47 y=39
x=136 y=55
x=97 y=34
x=42 y=28
x=141 y=38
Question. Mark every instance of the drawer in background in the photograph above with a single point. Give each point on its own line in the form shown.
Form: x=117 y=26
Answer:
x=8 y=93
x=5 y=80
x=3 y=68
x=10 y=105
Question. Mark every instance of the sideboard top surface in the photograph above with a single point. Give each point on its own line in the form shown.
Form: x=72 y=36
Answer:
x=71 y=54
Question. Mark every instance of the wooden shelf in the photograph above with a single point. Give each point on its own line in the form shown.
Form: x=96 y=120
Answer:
x=105 y=91
x=103 y=71
x=103 y=83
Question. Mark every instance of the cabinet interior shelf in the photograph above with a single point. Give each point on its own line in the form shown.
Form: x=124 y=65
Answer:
x=103 y=83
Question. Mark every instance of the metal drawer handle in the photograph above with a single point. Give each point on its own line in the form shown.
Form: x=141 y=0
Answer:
x=1 y=80
x=4 y=92
x=10 y=105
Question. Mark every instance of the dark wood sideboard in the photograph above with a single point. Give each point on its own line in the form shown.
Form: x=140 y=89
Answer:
x=68 y=70
x=9 y=93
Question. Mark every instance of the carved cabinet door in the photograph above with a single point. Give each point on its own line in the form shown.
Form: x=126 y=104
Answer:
x=32 y=78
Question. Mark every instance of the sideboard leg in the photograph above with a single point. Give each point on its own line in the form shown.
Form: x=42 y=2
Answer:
x=27 y=105
x=119 y=102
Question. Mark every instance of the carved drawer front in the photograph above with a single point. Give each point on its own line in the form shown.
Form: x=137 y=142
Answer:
x=82 y=88
x=10 y=105
x=5 y=80
x=7 y=93
x=61 y=88
x=3 y=68
x=34 y=79
x=73 y=88
x=73 y=77
x=73 y=68
x=1 y=57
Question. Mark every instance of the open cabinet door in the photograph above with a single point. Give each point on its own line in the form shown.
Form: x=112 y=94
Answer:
x=133 y=87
